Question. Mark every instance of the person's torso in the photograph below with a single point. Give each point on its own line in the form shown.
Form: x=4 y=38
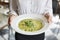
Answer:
x=31 y=6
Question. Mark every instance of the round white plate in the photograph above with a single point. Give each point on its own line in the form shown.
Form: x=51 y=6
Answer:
x=15 y=22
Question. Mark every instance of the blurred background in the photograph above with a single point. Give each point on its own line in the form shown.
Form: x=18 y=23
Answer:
x=4 y=10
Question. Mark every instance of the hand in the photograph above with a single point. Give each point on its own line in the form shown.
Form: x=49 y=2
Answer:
x=11 y=18
x=48 y=17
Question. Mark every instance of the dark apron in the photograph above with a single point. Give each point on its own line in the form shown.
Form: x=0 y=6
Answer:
x=29 y=37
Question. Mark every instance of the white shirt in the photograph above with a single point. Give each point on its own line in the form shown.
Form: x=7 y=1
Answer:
x=31 y=6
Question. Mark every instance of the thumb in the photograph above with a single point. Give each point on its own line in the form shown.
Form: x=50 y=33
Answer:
x=11 y=18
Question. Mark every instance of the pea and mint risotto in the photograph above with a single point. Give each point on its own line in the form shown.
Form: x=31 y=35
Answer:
x=30 y=25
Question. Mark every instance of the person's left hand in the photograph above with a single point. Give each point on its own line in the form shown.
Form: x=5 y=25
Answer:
x=48 y=17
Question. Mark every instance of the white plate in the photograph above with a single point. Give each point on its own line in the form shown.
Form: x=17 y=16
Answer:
x=15 y=22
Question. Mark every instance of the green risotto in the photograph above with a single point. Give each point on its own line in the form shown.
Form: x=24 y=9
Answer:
x=30 y=25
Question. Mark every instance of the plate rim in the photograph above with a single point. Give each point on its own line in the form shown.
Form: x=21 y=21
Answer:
x=25 y=32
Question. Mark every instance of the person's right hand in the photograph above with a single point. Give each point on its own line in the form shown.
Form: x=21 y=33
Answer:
x=11 y=18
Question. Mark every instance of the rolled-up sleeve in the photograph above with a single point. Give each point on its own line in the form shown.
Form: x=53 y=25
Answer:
x=49 y=7
x=13 y=7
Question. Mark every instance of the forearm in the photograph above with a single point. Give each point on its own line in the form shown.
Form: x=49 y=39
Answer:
x=13 y=7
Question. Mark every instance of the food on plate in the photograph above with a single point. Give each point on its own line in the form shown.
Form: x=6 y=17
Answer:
x=30 y=25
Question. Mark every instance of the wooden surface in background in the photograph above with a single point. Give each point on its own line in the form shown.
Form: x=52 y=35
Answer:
x=4 y=3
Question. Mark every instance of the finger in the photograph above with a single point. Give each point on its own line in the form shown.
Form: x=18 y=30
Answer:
x=49 y=20
x=47 y=16
x=13 y=17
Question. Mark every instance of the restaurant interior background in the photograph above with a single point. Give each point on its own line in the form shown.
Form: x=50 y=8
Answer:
x=4 y=11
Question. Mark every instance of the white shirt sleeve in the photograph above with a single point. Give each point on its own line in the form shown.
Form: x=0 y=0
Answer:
x=13 y=7
x=49 y=7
